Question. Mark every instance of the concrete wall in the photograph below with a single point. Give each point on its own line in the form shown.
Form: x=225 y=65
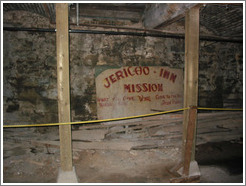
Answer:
x=29 y=66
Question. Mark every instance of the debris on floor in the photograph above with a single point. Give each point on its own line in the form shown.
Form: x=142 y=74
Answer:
x=139 y=153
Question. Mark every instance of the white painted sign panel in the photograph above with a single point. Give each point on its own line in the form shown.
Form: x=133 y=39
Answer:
x=135 y=90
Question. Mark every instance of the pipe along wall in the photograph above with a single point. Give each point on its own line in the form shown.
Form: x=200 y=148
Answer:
x=143 y=34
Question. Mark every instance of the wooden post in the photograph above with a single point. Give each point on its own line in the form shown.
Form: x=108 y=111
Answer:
x=191 y=68
x=63 y=90
x=189 y=139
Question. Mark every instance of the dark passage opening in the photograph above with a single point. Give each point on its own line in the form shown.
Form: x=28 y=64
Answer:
x=224 y=154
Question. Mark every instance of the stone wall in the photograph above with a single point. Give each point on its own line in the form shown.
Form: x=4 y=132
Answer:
x=221 y=74
x=29 y=71
x=29 y=66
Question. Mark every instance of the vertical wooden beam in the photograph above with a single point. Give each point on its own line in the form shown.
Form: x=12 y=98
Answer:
x=191 y=68
x=63 y=90
x=189 y=139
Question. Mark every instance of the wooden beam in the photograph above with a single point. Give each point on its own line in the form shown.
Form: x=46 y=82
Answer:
x=106 y=14
x=111 y=6
x=62 y=44
x=170 y=21
x=176 y=18
x=47 y=11
x=191 y=179
x=189 y=139
x=191 y=68
x=161 y=14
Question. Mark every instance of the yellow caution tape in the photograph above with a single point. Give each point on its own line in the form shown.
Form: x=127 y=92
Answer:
x=201 y=108
x=94 y=121
x=113 y=119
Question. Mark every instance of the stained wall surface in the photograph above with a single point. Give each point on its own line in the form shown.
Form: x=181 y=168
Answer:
x=138 y=90
x=29 y=68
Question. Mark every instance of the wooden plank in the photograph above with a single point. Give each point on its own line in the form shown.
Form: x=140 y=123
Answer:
x=191 y=67
x=45 y=6
x=63 y=90
x=189 y=139
x=166 y=121
x=113 y=14
x=144 y=127
x=162 y=13
x=116 y=144
x=192 y=179
x=97 y=145
x=89 y=135
x=177 y=17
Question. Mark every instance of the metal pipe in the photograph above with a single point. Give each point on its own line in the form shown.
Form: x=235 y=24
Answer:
x=142 y=34
x=126 y=28
x=30 y=29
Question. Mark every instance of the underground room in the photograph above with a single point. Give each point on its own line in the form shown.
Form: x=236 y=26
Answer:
x=122 y=92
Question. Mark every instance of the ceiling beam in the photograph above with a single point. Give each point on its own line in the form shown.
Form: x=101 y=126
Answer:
x=87 y=12
x=47 y=11
x=163 y=14
x=111 y=6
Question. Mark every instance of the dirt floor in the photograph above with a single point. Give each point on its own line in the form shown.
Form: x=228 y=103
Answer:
x=24 y=162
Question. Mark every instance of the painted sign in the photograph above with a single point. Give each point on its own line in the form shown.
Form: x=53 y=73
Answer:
x=135 y=90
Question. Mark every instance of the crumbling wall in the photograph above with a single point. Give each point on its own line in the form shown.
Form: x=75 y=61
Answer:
x=221 y=74
x=29 y=68
x=88 y=51
x=29 y=71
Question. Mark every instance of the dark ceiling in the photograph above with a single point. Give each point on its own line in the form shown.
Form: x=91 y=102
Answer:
x=222 y=19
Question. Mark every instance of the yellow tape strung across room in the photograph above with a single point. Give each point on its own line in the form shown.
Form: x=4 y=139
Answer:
x=114 y=119
x=94 y=121
x=201 y=108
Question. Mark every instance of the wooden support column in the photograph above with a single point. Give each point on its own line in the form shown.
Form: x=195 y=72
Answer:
x=63 y=90
x=191 y=68
x=189 y=139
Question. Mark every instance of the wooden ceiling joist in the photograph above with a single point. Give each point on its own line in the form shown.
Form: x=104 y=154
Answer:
x=106 y=14
x=159 y=15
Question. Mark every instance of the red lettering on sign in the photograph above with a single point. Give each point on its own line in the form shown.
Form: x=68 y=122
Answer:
x=173 y=77
x=144 y=98
x=161 y=72
x=125 y=72
x=111 y=77
x=129 y=72
x=166 y=74
x=127 y=88
x=138 y=87
x=146 y=70
x=108 y=83
x=138 y=70
x=128 y=98
x=143 y=87
x=159 y=96
x=105 y=104
x=176 y=101
x=133 y=88
x=154 y=87
x=166 y=102
x=149 y=88
x=119 y=74
x=102 y=99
